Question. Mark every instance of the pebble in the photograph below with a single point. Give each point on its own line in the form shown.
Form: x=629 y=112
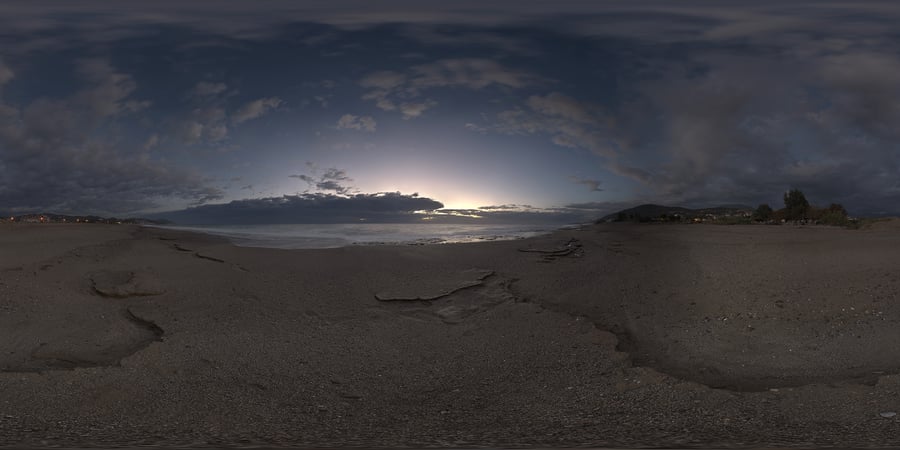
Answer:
x=888 y=414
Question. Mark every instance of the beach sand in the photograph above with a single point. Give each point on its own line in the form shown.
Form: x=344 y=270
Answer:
x=611 y=335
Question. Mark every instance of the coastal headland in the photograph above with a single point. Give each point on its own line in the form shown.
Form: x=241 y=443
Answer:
x=608 y=335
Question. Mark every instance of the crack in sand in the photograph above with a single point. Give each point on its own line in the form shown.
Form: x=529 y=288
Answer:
x=144 y=323
x=572 y=247
x=406 y=297
x=461 y=303
x=197 y=254
x=211 y=258
x=221 y=261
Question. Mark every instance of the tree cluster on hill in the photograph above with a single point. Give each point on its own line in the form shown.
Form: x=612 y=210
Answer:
x=674 y=214
x=798 y=209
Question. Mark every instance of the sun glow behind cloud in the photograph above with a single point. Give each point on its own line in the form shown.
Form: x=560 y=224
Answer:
x=441 y=181
x=432 y=215
x=462 y=201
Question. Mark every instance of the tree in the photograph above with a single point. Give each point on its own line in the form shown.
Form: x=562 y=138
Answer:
x=795 y=205
x=837 y=208
x=834 y=215
x=763 y=213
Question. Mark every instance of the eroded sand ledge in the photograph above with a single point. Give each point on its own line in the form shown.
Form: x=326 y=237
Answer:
x=611 y=335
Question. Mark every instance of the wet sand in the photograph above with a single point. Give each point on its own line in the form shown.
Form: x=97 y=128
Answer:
x=613 y=335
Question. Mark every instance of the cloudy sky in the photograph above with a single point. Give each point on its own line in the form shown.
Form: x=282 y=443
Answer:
x=347 y=108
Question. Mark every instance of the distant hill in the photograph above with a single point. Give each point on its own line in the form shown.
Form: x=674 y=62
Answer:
x=662 y=213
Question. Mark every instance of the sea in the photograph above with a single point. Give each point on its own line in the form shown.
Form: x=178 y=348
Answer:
x=292 y=236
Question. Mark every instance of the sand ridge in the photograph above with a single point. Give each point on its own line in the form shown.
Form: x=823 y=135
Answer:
x=609 y=335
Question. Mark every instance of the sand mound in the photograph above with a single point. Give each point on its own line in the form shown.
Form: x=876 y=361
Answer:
x=887 y=224
x=90 y=338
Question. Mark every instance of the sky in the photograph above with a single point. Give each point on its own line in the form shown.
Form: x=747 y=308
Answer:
x=341 y=110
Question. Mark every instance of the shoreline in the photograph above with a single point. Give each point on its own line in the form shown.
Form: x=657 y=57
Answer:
x=609 y=335
x=298 y=236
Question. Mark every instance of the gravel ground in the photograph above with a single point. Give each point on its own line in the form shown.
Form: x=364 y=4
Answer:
x=609 y=336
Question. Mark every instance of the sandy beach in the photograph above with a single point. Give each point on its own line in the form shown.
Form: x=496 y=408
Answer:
x=610 y=335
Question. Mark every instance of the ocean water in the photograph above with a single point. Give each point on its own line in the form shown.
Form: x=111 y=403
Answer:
x=290 y=236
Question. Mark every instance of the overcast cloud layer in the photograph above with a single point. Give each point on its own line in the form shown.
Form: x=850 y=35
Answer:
x=574 y=108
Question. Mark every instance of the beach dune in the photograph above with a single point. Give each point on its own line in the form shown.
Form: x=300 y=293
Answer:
x=607 y=335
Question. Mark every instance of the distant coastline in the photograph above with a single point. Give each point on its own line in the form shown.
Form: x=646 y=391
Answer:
x=797 y=210
x=63 y=218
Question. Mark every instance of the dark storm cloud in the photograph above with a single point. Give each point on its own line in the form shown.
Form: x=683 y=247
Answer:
x=308 y=179
x=303 y=177
x=740 y=127
x=211 y=118
x=309 y=208
x=110 y=21
x=335 y=174
x=684 y=102
x=743 y=107
x=333 y=180
x=651 y=20
x=591 y=184
x=331 y=185
x=569 y=122
x=404 y=92
x=53 y=159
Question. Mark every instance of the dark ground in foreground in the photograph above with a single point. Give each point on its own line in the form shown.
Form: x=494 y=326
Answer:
x=614 y=335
